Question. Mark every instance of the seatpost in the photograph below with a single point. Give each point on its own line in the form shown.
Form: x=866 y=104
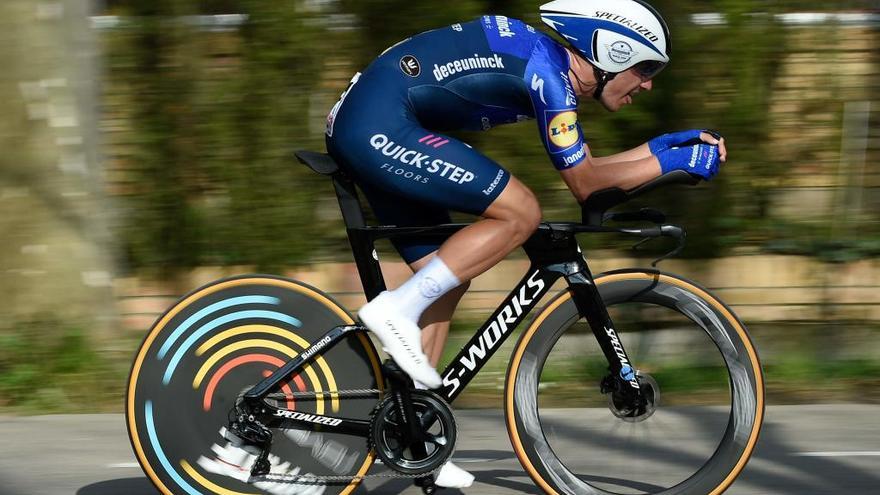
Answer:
x=362 y=246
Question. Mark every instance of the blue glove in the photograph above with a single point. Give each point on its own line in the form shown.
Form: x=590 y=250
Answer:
x=678 y=139
x=700 y=159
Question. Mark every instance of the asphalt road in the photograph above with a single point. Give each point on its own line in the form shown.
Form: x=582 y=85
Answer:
x=804 y=450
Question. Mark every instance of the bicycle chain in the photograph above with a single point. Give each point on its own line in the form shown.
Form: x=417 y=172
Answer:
x=356 y=392
x=320 y=480
x=313 y=479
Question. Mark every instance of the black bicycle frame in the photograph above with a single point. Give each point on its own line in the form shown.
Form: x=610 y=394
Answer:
x=553 y=251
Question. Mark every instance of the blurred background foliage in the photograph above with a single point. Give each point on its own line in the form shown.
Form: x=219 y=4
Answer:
x=212 y=117
x=145 y=140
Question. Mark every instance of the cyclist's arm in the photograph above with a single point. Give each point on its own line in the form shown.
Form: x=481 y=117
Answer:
x=637 y=153
x=644 y=150
x=591 y=175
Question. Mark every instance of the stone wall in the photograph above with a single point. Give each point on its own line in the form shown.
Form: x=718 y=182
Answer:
x=759 y=288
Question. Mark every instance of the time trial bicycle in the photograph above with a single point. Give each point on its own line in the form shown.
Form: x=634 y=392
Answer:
x=279 y=374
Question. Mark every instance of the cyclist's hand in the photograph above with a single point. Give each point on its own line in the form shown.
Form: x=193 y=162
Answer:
x=688 y=138
x=713 y=137
x=700 y=159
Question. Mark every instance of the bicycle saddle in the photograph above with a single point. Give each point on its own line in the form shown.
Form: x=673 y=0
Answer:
x=321 y=163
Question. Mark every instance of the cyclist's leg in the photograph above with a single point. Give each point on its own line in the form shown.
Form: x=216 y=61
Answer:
x=455 y=178
x=506 y=224
x=510 y=211
x=436 y=319
x=391 y=209
x=416 y=172
x=498 y=237
x=435 y=330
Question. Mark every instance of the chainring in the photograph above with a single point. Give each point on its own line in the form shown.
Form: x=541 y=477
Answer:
x=437 y=426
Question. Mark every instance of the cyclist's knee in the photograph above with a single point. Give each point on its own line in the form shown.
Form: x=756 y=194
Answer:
x=529 y=219
x=531 y=213
x=518 y=206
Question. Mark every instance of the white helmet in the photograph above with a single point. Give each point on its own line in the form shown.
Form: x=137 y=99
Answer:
x=613 y=35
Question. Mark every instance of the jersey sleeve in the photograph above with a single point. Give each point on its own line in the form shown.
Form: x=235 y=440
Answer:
x=555 y=104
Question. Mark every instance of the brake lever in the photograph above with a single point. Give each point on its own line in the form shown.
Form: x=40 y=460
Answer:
x=666 y=231
x=675 y=252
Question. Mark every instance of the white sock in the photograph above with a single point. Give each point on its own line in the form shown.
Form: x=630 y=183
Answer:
x=424 y=287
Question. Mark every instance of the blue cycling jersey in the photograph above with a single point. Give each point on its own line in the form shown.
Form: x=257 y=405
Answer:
x=387 y=128
x=481 y=74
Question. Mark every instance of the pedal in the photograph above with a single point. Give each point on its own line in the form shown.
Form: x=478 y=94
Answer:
x=427 y=485
x=395 y=375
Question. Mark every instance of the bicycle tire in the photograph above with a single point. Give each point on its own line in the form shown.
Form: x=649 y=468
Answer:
x=215 y=343
x=524 y=420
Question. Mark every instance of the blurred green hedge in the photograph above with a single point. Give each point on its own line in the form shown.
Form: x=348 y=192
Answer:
x=205 y=124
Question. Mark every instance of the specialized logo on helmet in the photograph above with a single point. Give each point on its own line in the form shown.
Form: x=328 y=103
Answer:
x=410 y=66
x=632 y=24
x=562 y=130
x=621 y=52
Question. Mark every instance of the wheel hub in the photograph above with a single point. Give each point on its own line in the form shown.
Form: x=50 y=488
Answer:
x=623 y=408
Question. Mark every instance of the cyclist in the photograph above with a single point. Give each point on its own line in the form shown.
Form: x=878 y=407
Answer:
x=388 y=132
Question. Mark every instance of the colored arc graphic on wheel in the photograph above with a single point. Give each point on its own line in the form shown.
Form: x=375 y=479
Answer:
x=201 y=353
x=256 y=345
x=287 y=351
x=250 y=358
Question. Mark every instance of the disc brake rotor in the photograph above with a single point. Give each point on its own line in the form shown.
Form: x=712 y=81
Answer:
x=651 y=394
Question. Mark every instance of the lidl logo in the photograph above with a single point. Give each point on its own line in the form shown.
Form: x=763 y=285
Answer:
x=562 y=130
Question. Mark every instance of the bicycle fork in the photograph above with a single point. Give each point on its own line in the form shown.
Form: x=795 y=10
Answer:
x=622 y=380
x=560 y=253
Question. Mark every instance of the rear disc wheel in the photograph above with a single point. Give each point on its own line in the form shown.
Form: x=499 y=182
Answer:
x=221 y=340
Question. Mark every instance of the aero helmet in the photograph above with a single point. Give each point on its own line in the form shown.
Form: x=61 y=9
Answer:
x=612 y=35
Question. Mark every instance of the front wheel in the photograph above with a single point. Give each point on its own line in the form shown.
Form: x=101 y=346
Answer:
x=697 y=367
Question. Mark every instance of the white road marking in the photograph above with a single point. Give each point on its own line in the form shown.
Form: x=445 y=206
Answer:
x=457 y=460
x=839 y=454
x=124 y=465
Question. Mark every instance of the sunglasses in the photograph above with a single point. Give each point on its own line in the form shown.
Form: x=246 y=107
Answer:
x=649 y=68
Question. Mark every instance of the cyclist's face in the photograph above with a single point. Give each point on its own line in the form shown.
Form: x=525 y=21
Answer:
x=620 y=90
